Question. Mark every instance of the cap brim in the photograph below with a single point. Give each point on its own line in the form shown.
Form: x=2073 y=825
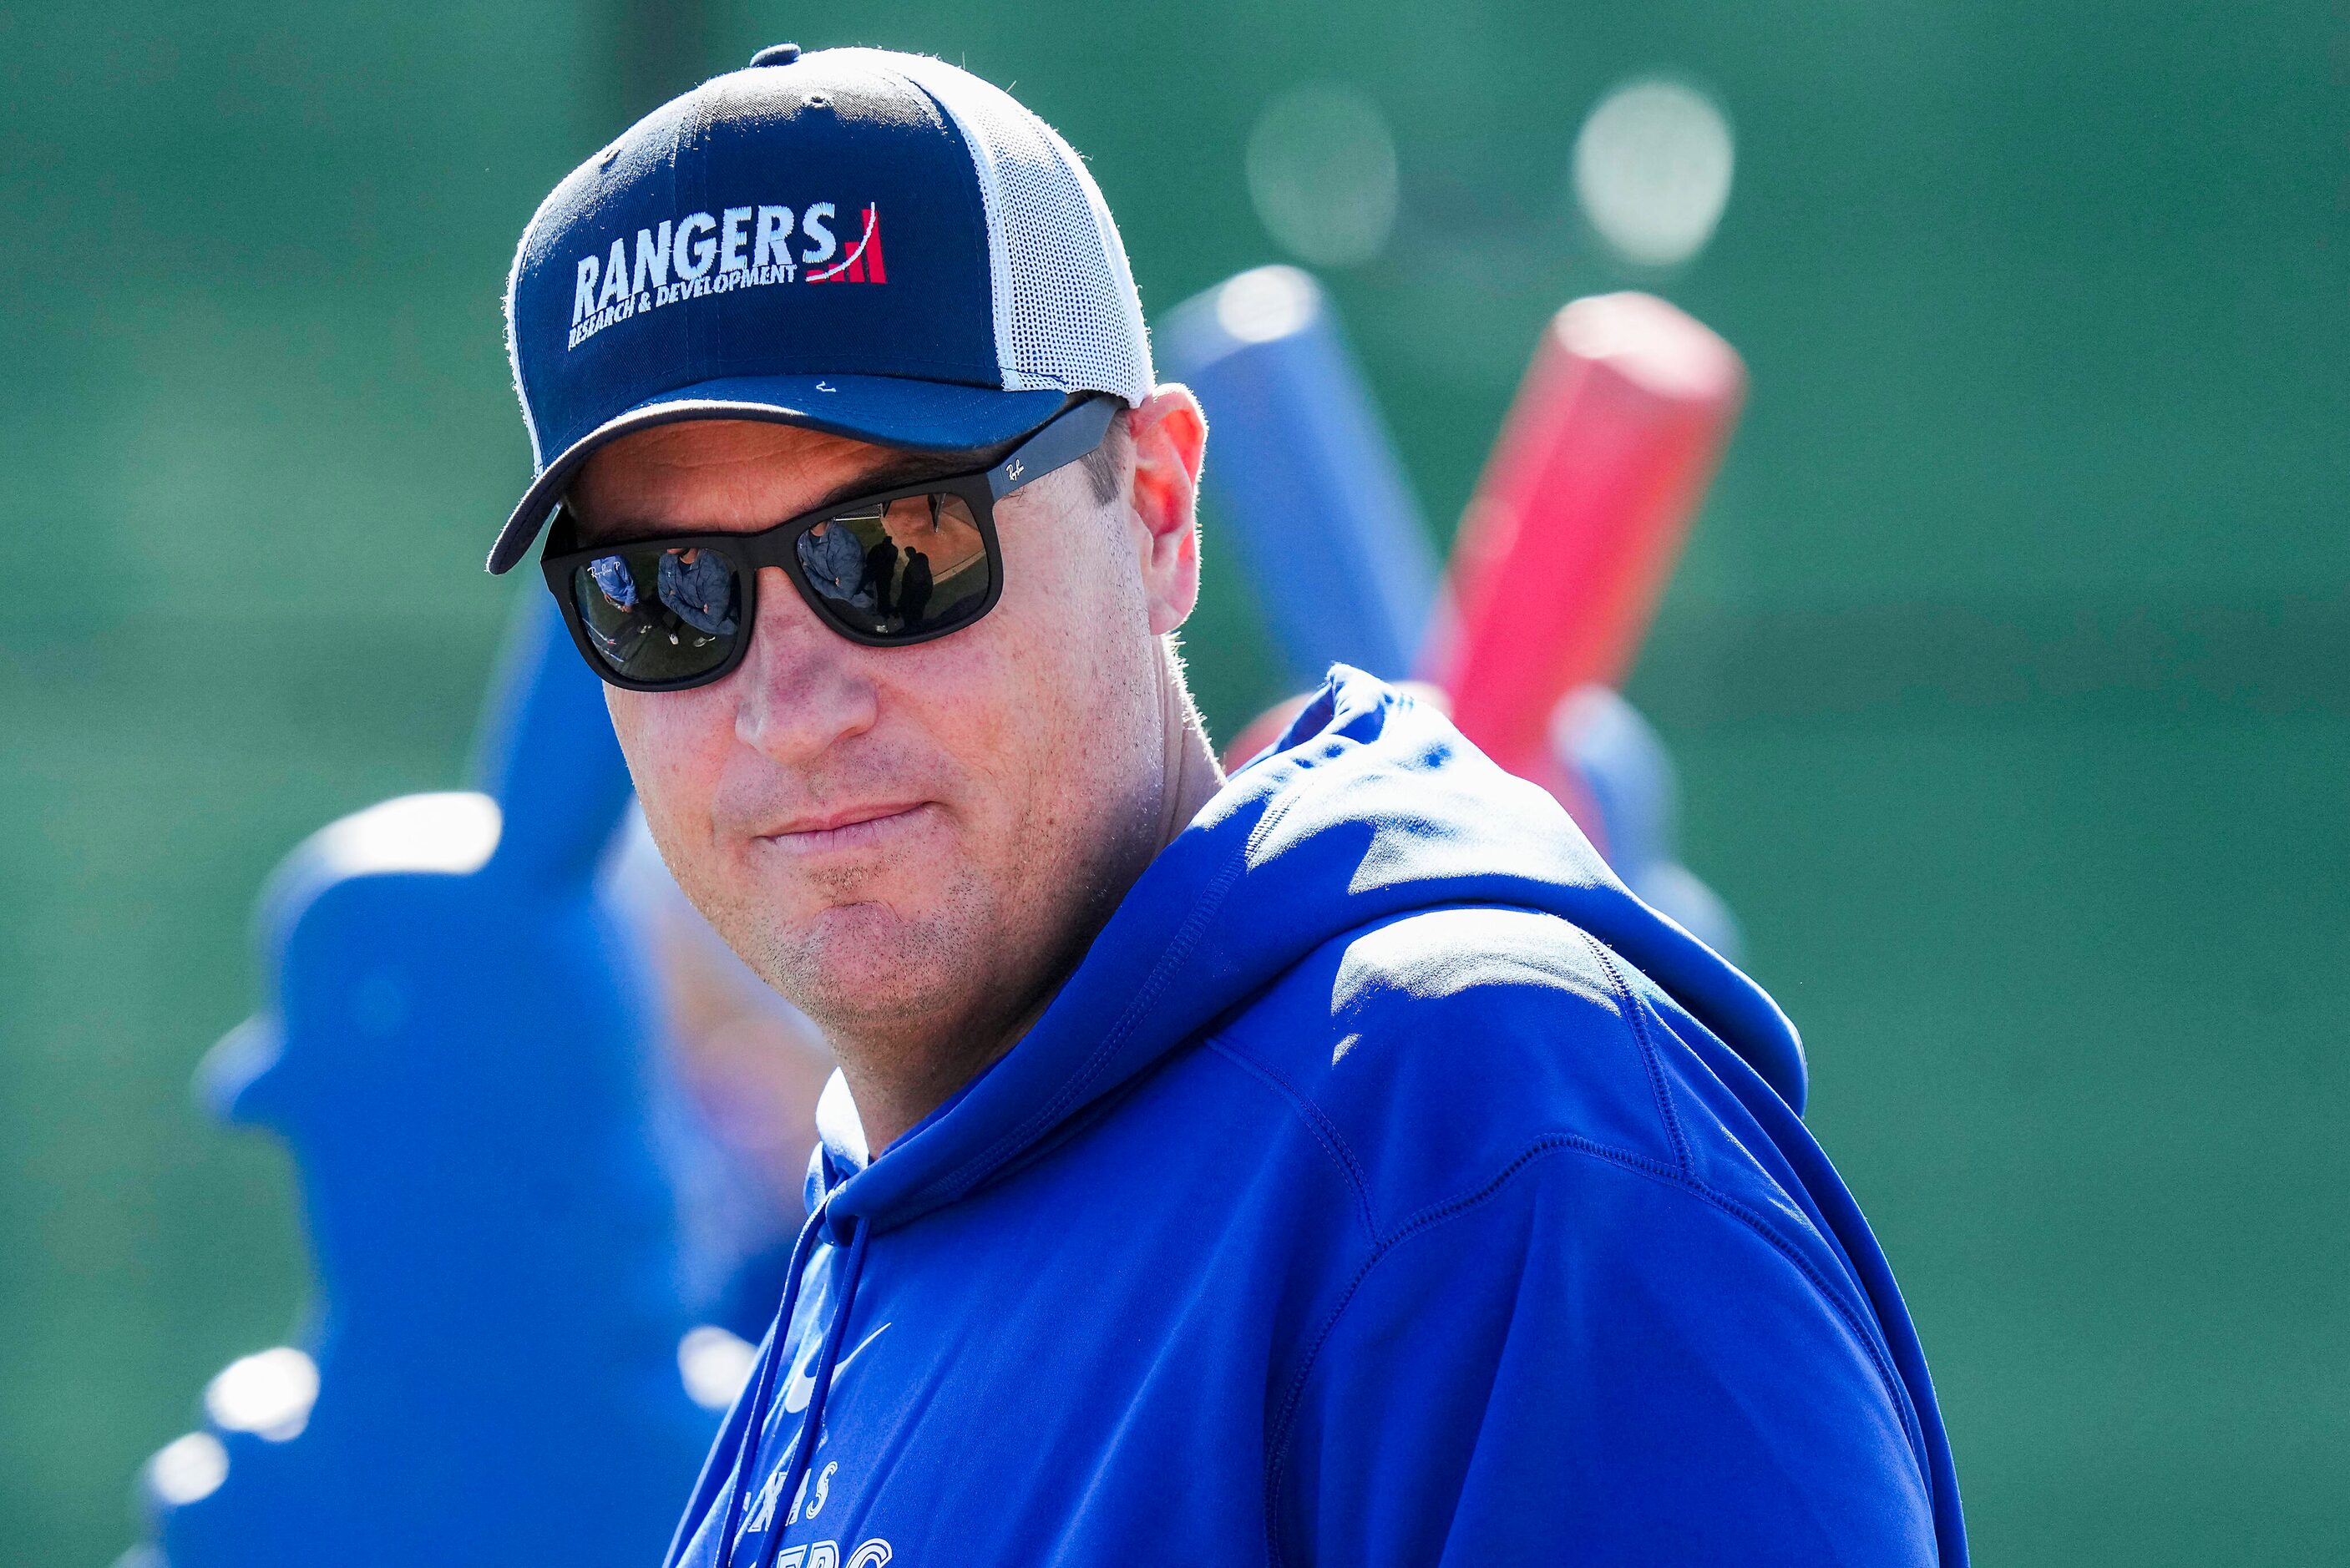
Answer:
x=888 y=410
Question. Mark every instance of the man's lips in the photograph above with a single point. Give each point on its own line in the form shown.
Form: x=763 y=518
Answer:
x=851 y=827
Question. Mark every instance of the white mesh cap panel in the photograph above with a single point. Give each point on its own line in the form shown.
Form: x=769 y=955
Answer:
x=1067 y=315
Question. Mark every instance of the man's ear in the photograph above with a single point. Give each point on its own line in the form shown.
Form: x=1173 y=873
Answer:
x=1171 y=437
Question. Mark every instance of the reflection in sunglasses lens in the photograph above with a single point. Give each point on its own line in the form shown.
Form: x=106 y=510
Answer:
x=658 y=614
x=911 y=566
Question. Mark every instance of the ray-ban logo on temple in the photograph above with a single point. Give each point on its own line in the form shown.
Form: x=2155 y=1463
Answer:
x=702 y=253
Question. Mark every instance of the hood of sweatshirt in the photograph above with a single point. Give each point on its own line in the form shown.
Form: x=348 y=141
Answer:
x=1371 y=805
x=1602 y=1279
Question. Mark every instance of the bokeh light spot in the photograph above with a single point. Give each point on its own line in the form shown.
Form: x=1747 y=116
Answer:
x=188 y=1469
x=1652 y=170
x=1322 y=172
x=1266 y=303
x=715 y=1365
x=269 y=1394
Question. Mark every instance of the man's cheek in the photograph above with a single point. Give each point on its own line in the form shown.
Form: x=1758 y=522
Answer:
x=660 y=740
x=630 y=719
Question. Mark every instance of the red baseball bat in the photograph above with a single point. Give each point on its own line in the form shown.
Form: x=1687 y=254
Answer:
x=1579 y=516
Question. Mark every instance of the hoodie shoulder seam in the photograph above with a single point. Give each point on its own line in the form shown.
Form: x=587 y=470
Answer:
x=1277 y=1446
x=1324 y=1131
x=1636 y=1021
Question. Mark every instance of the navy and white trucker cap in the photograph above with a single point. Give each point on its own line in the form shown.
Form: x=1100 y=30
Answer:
x=872 y=244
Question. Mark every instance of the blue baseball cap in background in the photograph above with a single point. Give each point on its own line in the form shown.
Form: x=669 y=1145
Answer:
x=872 y=244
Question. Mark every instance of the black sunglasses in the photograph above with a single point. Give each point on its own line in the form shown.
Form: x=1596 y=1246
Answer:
x=888 y=570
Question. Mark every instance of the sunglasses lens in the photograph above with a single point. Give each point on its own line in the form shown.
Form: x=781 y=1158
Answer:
x=910 y=567
x=658 y=614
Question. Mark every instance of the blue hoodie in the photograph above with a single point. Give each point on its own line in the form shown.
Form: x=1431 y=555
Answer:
x=1386 y=1186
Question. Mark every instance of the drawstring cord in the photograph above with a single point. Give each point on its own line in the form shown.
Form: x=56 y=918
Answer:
x=762 y=1390
x=812 y=1424
x=763 y=1393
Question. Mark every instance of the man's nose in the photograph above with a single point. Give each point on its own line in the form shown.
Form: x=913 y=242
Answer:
x=804 y=685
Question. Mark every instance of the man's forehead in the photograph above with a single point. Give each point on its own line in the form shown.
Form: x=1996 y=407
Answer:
x=726 y=475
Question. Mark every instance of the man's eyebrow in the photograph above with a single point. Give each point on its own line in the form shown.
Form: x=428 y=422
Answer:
x=907 y=468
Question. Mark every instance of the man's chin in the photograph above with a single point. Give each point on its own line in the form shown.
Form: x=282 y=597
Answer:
x=865 y=928
x=856 y=964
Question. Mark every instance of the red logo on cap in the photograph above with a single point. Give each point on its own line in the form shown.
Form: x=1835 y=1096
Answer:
x=863 y=262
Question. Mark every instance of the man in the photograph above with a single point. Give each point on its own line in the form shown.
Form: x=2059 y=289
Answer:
x=1331 y=1164
x=835 y=560
x=915 y=592
x=881 y=568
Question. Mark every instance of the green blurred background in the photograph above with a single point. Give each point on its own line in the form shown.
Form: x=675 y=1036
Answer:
x=2006 y=672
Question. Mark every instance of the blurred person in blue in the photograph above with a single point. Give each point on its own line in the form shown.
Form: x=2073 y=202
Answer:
x=611 y=578
x=735 y=1104
x=695 y=584
x=834 y=562
x=1330 y=1163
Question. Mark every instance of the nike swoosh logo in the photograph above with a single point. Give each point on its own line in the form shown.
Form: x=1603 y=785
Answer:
x=802 y=1388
